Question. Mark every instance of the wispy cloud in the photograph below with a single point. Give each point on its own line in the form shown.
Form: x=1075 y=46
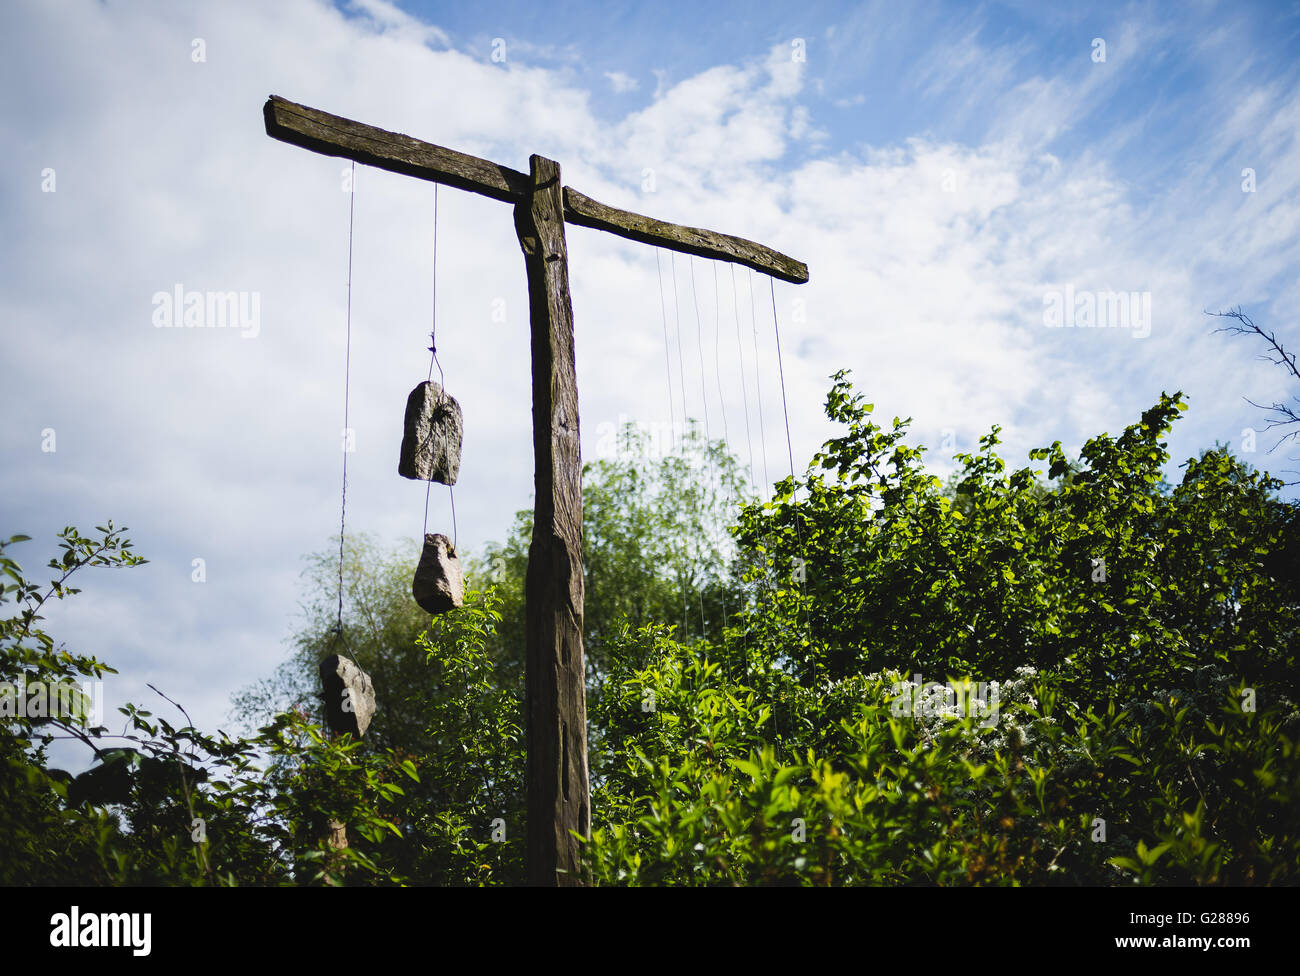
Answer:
x=621 y=82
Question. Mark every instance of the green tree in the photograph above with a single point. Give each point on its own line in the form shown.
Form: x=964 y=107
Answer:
x=1144 y=634
x=1114 y=575
x=656 y=545
x=164 y=803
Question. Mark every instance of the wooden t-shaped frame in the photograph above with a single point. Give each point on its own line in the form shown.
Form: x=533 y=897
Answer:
x=559 y=797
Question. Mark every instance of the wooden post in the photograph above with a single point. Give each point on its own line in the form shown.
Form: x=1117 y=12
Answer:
x=556 y=696
x=556 y=699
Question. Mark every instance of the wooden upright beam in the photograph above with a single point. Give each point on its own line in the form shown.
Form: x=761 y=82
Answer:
x=555 y=673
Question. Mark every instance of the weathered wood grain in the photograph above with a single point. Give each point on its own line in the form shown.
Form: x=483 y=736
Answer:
x=585 y=212
x=555 y=674
x=333 y=135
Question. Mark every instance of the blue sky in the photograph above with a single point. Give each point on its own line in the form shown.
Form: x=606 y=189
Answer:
x=882 y=73
x=944 y=169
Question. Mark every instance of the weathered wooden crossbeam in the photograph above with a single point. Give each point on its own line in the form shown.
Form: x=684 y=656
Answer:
x=333 y=135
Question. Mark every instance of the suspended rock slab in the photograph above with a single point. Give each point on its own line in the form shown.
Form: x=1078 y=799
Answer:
x=432 y=438
x=349 y=696
x=439 y=584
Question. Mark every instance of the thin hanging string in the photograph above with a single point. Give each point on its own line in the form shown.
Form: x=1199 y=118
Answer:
x=442 y=379
x=663 y=309
x=699 y=343
x=744 y=387
x=668 y=362
x=347 y=389
x=758 y=382
x=776 y=328
x=677 y=324
x=726 y=433
x=681 y=372
x=708 y=437
x=762 y=442
x=749 y=443
x=717 y=359
x=433 y=343
x=776 y=718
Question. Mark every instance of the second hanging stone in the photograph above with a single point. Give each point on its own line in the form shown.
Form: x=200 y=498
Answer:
x=439 y=585
x=432 y=436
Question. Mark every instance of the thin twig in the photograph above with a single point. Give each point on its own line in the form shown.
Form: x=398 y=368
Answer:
x=1285 y=415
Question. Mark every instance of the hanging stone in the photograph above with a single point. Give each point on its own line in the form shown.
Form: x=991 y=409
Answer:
x=432 y=438
x=349 y=696
x=439 y=584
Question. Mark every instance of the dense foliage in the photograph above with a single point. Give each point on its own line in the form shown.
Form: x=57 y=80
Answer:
x=1132 y=643
x=875 y=678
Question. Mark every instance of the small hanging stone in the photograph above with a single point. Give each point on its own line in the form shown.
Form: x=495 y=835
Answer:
x=432 y=438
x=349 y=696
x=439 y=584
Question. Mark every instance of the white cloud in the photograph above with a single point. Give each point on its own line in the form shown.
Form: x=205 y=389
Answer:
x=621 y=82
x=391 y=19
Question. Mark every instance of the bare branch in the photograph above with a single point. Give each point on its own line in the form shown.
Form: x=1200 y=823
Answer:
x=1285 y=416
x=1280 y=356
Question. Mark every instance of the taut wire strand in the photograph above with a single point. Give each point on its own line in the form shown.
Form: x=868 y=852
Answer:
x=758 y=382
x=744 y=387
x=442 y=378
x=668 y=362
x=347 y=389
